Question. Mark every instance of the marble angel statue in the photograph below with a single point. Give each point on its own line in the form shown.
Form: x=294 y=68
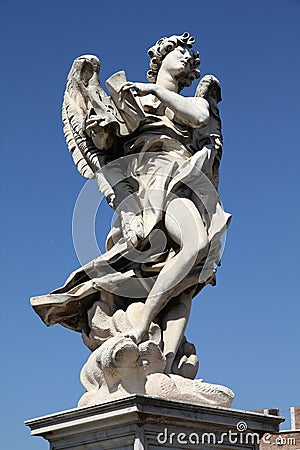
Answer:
x=155 y=155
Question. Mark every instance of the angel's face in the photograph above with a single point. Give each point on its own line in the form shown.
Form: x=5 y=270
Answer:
x=178 y=62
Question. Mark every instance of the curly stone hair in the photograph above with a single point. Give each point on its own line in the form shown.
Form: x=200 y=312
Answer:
x=164 y=46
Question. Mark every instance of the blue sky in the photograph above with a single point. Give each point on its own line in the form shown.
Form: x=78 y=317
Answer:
x=247 y=328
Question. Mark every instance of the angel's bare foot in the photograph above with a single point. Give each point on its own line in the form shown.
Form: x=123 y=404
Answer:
x=136 y=334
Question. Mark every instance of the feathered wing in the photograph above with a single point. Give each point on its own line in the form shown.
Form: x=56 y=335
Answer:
x=84 y=95
x=209 y=88
x=85 y=102
x=209 y=140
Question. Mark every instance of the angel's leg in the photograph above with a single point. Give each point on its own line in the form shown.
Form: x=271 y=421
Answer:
x=174 y=325
x=185 y=226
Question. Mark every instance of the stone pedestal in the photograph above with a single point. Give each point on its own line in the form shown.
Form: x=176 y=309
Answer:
x=141 y=422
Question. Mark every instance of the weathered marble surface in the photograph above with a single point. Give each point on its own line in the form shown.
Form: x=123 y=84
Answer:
x=119 y=367
x=155 y=155
x=140 y=422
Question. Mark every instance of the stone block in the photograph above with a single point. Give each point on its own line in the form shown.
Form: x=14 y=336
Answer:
x=140 y=422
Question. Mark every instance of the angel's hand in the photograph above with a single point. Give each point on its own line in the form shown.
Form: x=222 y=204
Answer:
x=132 y=227
x=141 y=89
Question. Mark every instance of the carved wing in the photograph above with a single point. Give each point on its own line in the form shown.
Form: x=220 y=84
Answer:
x=84 y=95
x=210 y=135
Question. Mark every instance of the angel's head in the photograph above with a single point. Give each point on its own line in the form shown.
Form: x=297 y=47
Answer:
x=176 y=55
